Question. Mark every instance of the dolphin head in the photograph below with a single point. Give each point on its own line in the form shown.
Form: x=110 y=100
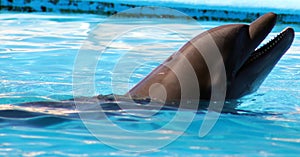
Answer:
x=246 y=65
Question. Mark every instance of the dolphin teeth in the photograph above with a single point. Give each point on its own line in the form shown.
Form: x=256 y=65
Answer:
x=265 y=48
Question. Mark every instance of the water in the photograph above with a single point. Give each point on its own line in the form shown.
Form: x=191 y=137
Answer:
x=37 y=56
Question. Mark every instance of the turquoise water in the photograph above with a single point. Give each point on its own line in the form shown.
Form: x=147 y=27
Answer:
x=37 y=56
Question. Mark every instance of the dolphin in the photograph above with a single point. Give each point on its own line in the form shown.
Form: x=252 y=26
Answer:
x=246 y=68
x=245 y=64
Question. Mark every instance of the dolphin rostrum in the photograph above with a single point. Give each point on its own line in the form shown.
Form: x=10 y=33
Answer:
x=246 y=65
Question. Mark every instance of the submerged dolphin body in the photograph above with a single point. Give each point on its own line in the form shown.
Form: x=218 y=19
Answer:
x=246 y=65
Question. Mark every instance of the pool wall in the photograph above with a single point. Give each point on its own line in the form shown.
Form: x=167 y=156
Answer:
x=105 y=7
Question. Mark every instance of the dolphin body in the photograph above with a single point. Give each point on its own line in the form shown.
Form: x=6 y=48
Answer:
x=246 y=65
x=246 y=68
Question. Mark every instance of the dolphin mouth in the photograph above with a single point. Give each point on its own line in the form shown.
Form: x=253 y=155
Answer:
x=266 y=56
x=283 y=39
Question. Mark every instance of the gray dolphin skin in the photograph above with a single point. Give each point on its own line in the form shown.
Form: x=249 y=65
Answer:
x=246 y=65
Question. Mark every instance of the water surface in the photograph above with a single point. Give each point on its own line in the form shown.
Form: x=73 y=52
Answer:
x=37 y=56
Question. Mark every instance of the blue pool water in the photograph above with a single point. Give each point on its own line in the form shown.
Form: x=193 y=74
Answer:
x=37 y=56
